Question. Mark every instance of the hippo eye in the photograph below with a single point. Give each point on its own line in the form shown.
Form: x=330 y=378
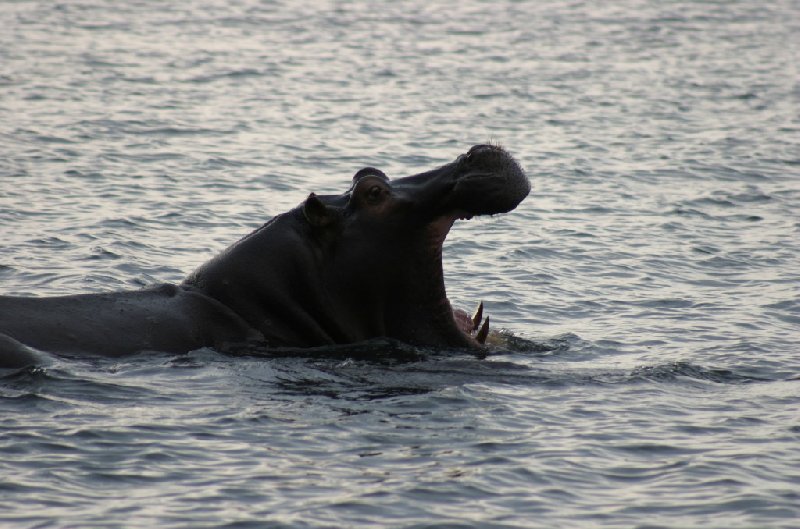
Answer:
x=374 y=194
x=370 y=190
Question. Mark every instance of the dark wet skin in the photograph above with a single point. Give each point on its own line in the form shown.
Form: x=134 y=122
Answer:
x=337 y=269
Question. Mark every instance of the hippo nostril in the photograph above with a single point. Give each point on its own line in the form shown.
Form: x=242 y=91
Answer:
x=469 y=157
x=480 y=154
x=482 y=149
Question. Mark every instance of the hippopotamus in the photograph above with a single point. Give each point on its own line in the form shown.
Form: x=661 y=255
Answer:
x=337 y=269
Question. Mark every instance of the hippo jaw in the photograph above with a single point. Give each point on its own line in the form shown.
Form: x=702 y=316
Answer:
x=409 y=226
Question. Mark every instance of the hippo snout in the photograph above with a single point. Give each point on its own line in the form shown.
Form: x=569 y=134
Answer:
x=489 y=181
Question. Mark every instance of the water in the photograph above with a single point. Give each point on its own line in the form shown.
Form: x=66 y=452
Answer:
x=651 y=278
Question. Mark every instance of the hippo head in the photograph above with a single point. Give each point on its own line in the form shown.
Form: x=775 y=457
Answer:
x=367 y=263
x=378 y=247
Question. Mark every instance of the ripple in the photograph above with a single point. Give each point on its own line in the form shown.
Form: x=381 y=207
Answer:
x=674 y=371
x=649 y=374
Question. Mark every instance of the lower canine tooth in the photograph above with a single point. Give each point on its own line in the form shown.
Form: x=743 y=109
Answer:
x=477 y=317
x=484 y=332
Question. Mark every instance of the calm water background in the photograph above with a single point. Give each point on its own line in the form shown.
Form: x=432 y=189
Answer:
x=654 y=272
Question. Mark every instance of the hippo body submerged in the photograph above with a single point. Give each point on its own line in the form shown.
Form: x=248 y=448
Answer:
x=337 y=269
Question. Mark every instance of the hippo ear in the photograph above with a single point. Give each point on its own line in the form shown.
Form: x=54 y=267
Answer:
x=317 y=214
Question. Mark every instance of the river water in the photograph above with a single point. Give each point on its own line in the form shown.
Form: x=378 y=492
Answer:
x=651 y=280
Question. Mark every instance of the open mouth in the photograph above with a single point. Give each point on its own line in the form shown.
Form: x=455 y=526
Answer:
x=473 y=326
x=485 y=181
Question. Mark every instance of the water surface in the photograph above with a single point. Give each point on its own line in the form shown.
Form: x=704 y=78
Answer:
x=651 y=278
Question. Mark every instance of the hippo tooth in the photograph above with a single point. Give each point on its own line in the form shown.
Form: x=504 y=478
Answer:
x=477 y=316
x=484 y=332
